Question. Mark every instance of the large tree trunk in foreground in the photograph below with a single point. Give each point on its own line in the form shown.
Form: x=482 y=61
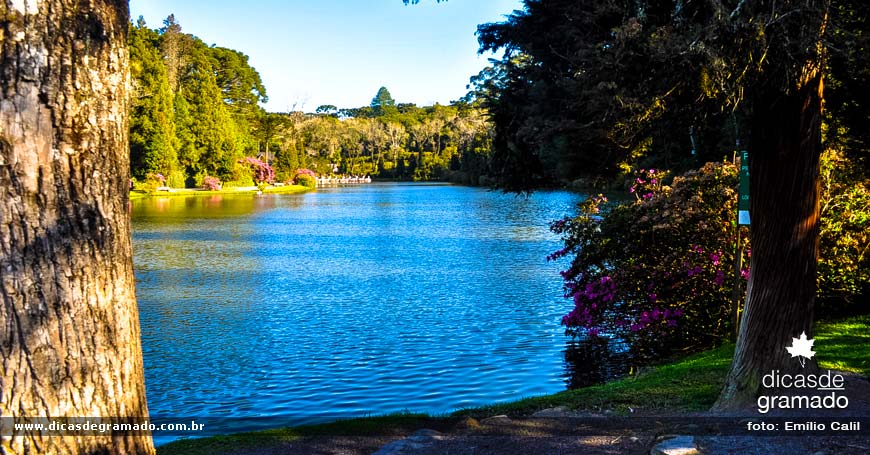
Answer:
x=69 y=342
x=784 y=205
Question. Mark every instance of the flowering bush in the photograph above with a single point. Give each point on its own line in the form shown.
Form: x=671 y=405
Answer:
x=659 y=269
x=647 y=183
x=305 y=180
x=261 y=171
x=211 y=183
x=153 y=181
x=306 y=172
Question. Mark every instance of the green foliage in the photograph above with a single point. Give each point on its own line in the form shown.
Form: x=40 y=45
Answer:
x=214 y=132
x=195 y=108
x=244 y=182
x=240 y=84
x=587 y=87
x=286 y=162
x=197 y=114
x=306 y=180
x=844 y=263
x=188 y=153
x=176 y=179
x=153 y=144
x=383 y=104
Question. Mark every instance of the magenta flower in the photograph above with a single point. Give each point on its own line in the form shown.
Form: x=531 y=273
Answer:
x=719 y=280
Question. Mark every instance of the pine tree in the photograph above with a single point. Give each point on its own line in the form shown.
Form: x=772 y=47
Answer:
x=383 y=104
x=153 y=143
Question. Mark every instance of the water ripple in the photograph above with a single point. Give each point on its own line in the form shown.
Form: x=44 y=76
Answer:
x=349 y=301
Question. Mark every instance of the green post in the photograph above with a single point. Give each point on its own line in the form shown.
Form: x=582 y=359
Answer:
x=743 y=190
x=742 y=220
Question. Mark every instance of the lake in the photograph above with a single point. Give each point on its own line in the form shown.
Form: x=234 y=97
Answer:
x=349 y=301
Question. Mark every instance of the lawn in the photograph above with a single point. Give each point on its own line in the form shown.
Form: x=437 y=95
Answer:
x=287 y=189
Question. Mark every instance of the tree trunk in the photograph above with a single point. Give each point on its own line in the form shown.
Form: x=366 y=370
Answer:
x=784 y=206
x=70 y=342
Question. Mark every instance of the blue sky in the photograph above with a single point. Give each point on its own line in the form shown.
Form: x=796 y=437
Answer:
x=314 y=52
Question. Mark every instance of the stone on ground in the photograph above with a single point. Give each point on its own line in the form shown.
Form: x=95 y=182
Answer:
x=680 y=445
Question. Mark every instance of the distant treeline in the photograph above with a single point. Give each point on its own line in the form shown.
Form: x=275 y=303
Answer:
x=195 y=113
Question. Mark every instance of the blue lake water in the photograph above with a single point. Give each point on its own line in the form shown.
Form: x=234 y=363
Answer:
x=349 y=301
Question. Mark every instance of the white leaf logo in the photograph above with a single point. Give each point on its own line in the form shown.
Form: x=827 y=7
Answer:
x=801 y=348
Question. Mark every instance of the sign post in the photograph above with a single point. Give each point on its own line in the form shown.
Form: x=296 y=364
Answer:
x=742 y=220
x=743 y=190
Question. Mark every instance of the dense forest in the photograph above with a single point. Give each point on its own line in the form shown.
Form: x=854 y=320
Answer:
x=196 y=114
x=599 y=89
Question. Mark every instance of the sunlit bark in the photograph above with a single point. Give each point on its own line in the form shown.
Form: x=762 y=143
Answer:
x=69 y=343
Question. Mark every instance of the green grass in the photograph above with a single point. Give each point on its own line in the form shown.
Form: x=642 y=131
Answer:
x=844 y=345
x=288 y=189
x=690 y=384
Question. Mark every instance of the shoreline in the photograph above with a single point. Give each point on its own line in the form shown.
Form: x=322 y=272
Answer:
x=687 y=387
x=175 y=192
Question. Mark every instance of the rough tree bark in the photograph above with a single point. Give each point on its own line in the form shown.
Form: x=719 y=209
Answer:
x=785 y=148
x=69 y=343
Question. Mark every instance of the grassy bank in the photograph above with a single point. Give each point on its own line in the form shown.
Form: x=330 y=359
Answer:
x=691 y=384
x=287 y=189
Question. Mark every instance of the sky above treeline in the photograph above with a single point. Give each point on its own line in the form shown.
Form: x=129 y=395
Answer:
x=339 y=52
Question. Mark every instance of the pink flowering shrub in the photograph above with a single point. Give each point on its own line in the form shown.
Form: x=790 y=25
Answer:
x=647 y=183
x=211 y=183
x=261 y=172
x=659 y=269
x=306 y=178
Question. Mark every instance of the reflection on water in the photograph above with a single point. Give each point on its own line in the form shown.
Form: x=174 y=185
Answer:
x=590 y=361
x=348 y=301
